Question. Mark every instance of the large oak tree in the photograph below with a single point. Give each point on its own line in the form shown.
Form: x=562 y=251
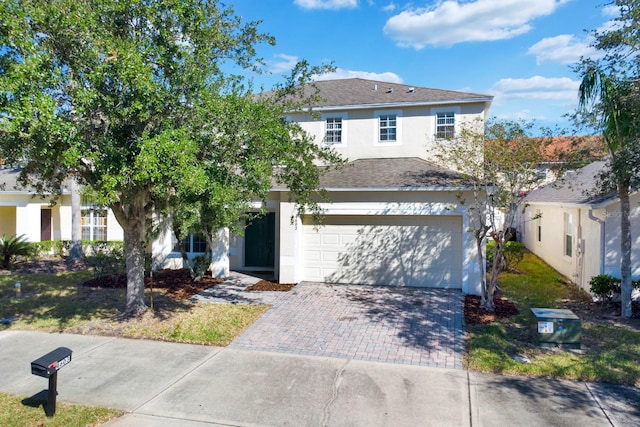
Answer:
x=131 y=99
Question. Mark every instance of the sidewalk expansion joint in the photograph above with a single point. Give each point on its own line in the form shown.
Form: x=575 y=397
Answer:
x=180 y=378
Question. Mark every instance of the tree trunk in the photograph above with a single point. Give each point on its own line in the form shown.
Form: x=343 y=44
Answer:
x=625 y=252
x=132 y=216
x=482 y=264
x=75 y=252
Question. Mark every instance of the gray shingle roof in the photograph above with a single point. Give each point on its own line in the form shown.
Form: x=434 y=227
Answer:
x=576 y=187
x=9 y=180
x=394 y=173
x=359 y=92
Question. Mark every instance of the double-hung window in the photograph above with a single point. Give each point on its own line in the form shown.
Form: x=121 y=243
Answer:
x=333 y=134
x=190 y=244
x=568 y=235
x=93 y=221
x=388 y=127
x=445 y=125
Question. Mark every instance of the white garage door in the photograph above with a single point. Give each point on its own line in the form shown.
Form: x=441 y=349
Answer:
x=385 y=250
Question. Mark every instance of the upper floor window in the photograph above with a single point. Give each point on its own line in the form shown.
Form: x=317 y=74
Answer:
x=333 y=134
x=94 y=224
x=388 y=127
x=445 y=125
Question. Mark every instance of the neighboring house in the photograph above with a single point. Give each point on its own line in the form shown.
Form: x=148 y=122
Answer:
x=576 y=231
x=564 y=149
x=395 y=217
x=24 y=212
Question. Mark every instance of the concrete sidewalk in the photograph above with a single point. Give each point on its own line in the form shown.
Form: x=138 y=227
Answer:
x=167 y=384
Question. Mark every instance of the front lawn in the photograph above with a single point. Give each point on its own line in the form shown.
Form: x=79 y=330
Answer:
x=55 y=302
x=610 y=352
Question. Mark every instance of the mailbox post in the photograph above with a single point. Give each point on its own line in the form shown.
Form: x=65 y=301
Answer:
x=48 y=366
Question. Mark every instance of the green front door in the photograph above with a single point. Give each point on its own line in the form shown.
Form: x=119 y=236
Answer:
x=259 y=242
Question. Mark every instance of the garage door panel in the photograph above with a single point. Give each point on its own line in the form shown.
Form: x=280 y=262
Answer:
x=402 y=251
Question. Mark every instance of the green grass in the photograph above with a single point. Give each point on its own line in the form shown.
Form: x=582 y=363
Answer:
x=609 y=354
x=18 y=412
x=55 y=303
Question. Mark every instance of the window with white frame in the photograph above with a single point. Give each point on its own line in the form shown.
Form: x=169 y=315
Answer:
x=333 y=130
x=445 y=124
x=94 y=224
x=538 y=225
x=568 y=234
x=388 y=127
x=190 y=244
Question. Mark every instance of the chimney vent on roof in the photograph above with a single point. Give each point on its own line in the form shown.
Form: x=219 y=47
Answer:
x=375 y=87
x=390 y=90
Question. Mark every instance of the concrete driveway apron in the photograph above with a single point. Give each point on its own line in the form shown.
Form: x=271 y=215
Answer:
x=402 y=325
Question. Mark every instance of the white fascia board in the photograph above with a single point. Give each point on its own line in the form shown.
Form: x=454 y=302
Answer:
x=385 y=189
x=561 y=204
x=378 y=208
x=401 y=104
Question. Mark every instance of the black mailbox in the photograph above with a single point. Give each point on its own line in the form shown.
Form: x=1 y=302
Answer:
x=48 y=366
x=51 y=362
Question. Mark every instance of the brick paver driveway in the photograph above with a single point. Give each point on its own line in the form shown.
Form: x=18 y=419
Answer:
x=377 y=323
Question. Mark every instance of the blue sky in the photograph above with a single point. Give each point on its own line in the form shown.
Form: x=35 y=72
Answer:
x=519 y=51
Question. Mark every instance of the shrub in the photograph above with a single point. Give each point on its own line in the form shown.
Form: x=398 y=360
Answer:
x=43 y=248
x=105 y=257
x=513 y=253
x=604 y=286
x=12 y=247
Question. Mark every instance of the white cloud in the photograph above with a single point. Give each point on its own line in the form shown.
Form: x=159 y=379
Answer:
x=563 y=49
x=456 y=21
x=390 y=7
x=611 y=11
x=561 y=89
x=326 y=4
x=283 y=63
x=341 y=73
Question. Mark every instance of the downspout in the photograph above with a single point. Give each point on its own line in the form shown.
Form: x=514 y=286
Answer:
x=580 y=255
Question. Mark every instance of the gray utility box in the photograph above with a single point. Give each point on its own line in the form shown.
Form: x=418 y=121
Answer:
x=557 y=328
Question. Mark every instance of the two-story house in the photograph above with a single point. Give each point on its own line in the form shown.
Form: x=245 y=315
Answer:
x=395 y=218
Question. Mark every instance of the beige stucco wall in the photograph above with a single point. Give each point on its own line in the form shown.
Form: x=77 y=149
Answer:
x=415 y=129
x=7 y=220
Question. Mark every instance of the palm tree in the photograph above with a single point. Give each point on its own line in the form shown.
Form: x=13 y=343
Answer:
x=614 y=105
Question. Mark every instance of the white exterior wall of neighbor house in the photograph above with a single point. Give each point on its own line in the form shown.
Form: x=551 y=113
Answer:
x=416 y=129
x=20 y=213
x=596 y=239
x=612 y=238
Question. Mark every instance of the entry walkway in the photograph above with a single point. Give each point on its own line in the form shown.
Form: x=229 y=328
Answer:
x=412 y=326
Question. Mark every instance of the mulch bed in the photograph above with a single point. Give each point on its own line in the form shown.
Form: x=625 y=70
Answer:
x=265 y=285
x=474 y=314
x=178 y=284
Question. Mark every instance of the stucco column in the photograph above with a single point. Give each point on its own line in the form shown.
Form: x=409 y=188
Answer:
x=290 y=233
x=471 y=274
